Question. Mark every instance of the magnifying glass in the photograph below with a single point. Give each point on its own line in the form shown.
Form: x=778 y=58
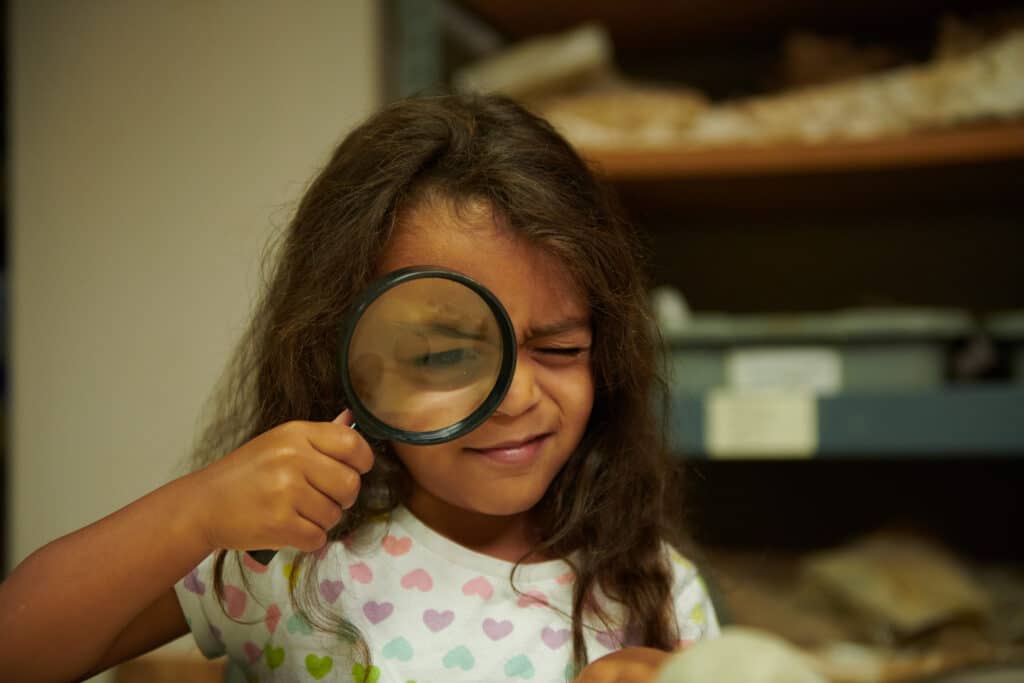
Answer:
x=426 y=356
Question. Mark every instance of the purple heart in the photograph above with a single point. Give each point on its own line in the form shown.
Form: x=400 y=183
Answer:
x=437 y=621
x=331 y=590
x=193 y=583
x=377 y=612
x=611 y=639
x=555 y=638
x=496 y=630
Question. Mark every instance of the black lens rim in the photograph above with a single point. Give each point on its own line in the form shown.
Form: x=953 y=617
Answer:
x=366 y=421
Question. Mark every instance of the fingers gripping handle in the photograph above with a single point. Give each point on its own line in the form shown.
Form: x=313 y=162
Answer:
x=264 y=557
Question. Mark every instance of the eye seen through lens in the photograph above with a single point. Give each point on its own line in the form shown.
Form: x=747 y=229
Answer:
x=425 y=354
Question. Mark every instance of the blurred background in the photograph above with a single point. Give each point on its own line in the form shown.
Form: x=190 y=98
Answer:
x=831 y=194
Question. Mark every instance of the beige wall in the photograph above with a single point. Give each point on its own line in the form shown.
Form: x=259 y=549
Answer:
x=155 y=145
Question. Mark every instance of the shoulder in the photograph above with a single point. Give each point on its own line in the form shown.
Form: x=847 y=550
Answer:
x=214 y=605
x=695 y=613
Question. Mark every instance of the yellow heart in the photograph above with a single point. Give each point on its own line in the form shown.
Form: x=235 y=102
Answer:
x=290 y=575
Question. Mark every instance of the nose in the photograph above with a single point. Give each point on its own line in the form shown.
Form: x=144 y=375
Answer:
x=524 y=392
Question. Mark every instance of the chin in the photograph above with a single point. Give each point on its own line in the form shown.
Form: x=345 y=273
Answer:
x=503 y=506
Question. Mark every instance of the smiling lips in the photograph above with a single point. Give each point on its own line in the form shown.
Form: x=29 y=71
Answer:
x=513 y=452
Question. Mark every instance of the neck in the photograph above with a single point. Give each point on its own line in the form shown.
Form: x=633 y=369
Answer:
x=503 y=537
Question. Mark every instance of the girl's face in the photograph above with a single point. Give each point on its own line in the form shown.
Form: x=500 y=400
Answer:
x=503 y=467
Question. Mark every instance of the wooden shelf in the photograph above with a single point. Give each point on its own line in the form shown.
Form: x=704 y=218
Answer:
x=969 y=145
x=658 y=25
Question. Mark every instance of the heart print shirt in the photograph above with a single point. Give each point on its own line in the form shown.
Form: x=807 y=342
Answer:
x=428 y=609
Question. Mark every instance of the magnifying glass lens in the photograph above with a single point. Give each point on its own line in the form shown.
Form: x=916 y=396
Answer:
x=425 y=354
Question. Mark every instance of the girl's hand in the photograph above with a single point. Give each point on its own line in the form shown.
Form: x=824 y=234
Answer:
x=286 y=487
x=628 y=665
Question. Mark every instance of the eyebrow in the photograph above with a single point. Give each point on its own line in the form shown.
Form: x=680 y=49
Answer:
x=560 y=327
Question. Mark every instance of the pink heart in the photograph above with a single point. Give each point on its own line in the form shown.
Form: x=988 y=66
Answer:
x=554 y=638
x=271 y=618
x=252 y=565
x=611 y=639
x=496 y=630
x=684 y=643
x=419 y=579
x=437 y=621
x=194 y=584
x=396 y=546
x=377 y=612
x=331 y=590
x=361 y=573
x=235 y=599
x=478 y=586
x=532 y=598
x=252 y=651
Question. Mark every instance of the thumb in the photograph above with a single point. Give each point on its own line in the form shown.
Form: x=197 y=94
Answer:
x=344 y=418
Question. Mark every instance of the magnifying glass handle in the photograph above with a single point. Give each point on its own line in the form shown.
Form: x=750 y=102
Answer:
x=265 y=556
x=262 y=556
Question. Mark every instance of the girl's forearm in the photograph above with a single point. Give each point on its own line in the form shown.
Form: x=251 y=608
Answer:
x=75 y=595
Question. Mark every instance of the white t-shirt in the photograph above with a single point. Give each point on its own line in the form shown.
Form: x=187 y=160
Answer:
x=428 y=608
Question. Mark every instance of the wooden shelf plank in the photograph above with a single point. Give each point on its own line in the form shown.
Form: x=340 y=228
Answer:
x=975 y=144
x=684 y=24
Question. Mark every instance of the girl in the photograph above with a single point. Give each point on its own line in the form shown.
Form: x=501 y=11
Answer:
x=537 y=547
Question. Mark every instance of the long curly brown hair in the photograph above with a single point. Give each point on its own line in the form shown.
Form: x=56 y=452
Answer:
x=612 y=505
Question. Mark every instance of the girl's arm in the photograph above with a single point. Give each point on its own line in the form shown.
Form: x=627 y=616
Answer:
x=158 y=624
x=101 y=590
x=105 y=593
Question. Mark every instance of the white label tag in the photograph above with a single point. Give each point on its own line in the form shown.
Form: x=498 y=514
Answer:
x=817 y=369
x=750 y=424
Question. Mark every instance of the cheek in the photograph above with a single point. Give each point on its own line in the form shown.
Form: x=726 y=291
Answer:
x=415 y=457
x=572 y=390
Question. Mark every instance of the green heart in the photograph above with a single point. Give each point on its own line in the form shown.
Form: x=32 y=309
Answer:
x=360 y=675
x=399 y=649
x=520 y=666
x=460 y=657
x=318 y=667
x=298 y=624
x=274 y=656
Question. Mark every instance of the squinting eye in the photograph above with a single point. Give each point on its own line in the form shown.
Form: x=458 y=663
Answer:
x=568 y=352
